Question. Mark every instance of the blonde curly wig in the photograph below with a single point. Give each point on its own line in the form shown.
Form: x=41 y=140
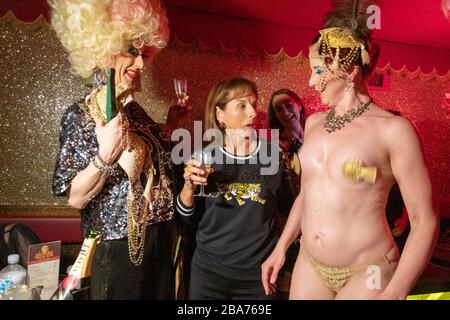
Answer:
x=94 y=31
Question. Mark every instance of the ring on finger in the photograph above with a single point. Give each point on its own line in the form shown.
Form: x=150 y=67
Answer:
x=188 y=181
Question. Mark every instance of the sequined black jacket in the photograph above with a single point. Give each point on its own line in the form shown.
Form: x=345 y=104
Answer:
x=107 y=212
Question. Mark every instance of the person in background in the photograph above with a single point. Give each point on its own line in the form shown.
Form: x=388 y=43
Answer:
x=287 y=114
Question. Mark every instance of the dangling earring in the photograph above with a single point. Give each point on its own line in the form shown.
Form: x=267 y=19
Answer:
x=222 y=126
x=99 y=78
x=349 y=85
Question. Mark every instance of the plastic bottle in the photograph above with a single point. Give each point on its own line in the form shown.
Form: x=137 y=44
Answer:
x=14 y=271
x=17 y=274
x=4 y=285
x=17 y=292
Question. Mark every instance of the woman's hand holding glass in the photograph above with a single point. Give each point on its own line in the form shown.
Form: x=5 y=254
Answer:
x=197 y=171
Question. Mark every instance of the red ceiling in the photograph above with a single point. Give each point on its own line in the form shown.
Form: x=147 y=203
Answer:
x=413 y=32
x=419 y=22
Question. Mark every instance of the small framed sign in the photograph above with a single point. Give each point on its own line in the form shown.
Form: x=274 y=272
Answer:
x=43 y=269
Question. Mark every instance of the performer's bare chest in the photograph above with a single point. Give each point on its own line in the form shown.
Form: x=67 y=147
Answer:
x=324 y=154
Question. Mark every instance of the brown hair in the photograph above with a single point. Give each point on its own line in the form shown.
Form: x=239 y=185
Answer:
x=222 y=93
x=274 y=123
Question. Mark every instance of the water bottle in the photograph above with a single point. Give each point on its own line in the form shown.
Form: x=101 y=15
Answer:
x=17 y=275
x=5 y=284
x=17 y=292
x=14 y=271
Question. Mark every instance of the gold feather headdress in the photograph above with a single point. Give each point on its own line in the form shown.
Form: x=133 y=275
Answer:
x=345 y=36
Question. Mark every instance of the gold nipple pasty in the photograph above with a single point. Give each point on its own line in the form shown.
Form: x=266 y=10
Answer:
x=355 y=170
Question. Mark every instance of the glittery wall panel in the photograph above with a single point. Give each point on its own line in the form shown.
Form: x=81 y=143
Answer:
x=203 y=67
x=420 y=98
x=36 y=85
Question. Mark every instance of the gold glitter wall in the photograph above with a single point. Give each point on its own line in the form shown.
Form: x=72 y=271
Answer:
x=36 y=85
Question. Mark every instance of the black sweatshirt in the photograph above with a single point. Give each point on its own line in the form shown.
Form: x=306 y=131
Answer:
x=236 y=230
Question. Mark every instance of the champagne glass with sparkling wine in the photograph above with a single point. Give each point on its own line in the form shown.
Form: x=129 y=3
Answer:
x=180 y=85
x=204 y=157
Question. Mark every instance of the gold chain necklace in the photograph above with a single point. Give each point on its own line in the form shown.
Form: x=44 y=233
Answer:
x=333 y=122
x=97 y=112
x=95 y=109
x=137 y=206
x=137 y=220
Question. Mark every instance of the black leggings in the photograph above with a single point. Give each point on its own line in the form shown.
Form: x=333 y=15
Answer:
x=205 y=284
x=115 y=277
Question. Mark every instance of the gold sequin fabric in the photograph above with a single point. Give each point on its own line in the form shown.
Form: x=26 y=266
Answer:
x=107 y=212
x=161 y=190
x=336 y=277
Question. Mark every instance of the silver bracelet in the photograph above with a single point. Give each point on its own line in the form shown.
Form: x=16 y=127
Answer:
x=103 y=167
x=103 y=162
x=188 y=182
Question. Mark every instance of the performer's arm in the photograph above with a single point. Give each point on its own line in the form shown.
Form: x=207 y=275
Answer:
x=409 y=169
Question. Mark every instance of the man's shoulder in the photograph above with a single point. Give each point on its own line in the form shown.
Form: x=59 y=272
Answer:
x=396 y=130
x=388 y=120
x=315 y=118
x=396 y=124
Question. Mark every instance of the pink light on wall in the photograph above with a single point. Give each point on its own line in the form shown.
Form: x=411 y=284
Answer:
x=446 y=9
x=447 y=101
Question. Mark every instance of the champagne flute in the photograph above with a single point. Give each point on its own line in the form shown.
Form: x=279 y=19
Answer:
x=180 y=85
x=204 y=157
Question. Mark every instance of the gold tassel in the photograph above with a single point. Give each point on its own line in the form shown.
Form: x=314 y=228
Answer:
x=294 y=164
x=335 y=65
x=365 y=58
